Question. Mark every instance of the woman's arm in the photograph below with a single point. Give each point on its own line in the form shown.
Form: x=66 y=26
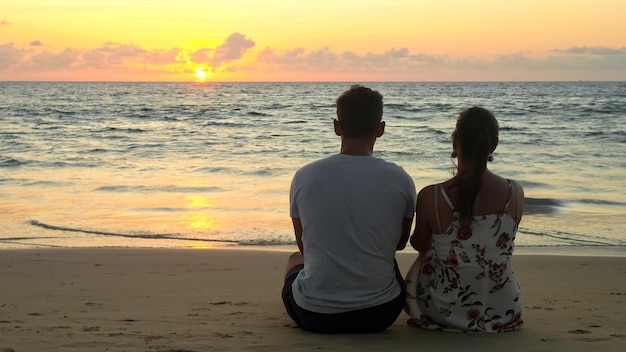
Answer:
x=406 y=232
x=519 y=201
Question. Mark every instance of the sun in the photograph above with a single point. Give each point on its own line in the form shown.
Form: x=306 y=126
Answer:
x=200 y=74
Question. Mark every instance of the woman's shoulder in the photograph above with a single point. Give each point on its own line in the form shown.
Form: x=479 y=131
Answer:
x=516 y=185
x=428 y=191
x=514 y=197
x=518 y=199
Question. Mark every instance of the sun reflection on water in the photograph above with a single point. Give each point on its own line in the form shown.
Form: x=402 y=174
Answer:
x=199 y=202
x=199 y=220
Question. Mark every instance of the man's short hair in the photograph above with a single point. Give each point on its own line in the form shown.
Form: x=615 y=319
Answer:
x=359 y=111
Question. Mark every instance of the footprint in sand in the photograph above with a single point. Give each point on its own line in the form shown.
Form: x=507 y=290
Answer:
x=579 y=331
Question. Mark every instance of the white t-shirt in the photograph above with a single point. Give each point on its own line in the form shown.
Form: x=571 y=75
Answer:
x=351 y=208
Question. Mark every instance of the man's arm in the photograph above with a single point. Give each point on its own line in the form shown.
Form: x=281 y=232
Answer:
x=422 y=237
x=406 y=232
x=297 y=228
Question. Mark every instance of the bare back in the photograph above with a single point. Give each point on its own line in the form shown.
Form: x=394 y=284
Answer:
x=491 y=199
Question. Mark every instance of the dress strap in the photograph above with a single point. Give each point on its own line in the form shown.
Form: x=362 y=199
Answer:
x=437 y=208
x=445 y=196
x=508 y=196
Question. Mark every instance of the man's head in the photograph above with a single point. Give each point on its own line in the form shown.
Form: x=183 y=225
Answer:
x=360 y=111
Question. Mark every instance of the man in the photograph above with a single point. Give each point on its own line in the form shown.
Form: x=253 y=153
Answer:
x=350 y=212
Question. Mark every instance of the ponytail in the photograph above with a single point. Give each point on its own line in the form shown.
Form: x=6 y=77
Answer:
x=477 y=133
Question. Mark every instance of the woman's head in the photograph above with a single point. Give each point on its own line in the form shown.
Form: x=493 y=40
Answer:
x=475 y=136
x=473 y=141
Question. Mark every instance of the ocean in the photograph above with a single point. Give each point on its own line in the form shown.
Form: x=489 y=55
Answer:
x=185 y=165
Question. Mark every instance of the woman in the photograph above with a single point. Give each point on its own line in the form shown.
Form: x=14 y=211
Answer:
x=463 y=278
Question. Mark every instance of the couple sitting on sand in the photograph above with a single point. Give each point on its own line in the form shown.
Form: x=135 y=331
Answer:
x=351 y=212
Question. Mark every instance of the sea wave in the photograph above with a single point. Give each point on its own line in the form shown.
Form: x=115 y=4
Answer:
x=12 y=162
x=541 y=205
x=257 y=113
x=128 y=235
x=151 y=189
x=600 y=202
x=276 y=241
x=575 y=239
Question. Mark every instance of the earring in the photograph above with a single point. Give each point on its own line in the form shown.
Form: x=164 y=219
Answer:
x=490 y=158
x=453 y=155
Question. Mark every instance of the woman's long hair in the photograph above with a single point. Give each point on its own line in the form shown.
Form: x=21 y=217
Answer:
x=477 y=135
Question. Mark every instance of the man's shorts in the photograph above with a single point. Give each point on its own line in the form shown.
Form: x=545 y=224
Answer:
x=368 y=320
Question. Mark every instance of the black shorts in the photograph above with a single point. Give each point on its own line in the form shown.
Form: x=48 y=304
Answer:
x=368 y=320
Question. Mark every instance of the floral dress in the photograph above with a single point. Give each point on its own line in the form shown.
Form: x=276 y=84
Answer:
x=466 y=282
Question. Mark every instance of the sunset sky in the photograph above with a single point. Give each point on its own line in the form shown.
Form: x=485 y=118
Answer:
x=312 y=40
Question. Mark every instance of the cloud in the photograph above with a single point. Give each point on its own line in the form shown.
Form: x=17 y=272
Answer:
x=270 y=55
x=592 y=50
x=573 y=59
x=399 y=60
x=581 y=62
x=46 y=60
x=10 y=56
x=201 y=55
x=113 y=55
x=5 y=23
x=325 y=60
x=299 y=59
x=163 y=57
x=591 y=58
x=232 y=49
x=110 y=55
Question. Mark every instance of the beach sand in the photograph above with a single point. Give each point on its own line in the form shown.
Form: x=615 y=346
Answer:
x=114 y=299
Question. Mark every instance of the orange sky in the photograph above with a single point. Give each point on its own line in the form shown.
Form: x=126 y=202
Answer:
x=312 y=40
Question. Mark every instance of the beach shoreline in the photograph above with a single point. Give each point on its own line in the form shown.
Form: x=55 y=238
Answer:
x=570 y=251
x=138 y=299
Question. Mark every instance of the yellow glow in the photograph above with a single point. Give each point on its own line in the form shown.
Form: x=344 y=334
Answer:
x=201 y=222
x=198 y=202
x=202 y=246
x=200 y=74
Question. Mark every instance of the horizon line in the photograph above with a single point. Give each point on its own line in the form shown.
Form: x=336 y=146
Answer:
x=356 y=81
